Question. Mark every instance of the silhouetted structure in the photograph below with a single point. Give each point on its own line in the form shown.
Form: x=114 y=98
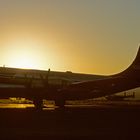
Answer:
x=37 y=85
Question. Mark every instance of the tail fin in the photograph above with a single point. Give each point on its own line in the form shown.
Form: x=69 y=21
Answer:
x=133 y=70
x=136 y=62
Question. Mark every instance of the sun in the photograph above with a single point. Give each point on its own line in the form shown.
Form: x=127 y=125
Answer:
x=23 y=61
x=23 y=54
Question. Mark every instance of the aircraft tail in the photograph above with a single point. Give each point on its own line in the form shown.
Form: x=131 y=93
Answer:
x=126 y=80
x=133 y=71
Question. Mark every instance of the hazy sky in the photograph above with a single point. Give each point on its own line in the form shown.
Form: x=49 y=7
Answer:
x=88 y=36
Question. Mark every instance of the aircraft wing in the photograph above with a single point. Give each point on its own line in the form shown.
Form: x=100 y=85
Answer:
x=102 y=87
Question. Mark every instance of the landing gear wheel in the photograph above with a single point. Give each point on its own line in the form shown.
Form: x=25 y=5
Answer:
x=38 y=103
x=60 y=104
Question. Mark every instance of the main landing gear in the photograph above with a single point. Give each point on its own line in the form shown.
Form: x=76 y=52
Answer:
x=60 y=103
x=38 y=103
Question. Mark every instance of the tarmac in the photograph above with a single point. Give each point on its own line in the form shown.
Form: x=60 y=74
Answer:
x=98 y=121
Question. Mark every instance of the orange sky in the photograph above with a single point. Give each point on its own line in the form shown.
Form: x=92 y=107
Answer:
x=92 y=36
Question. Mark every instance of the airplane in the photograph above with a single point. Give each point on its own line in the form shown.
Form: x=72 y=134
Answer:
x=37 y=85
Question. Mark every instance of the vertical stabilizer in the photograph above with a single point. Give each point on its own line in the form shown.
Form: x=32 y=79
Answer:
x=133 y=70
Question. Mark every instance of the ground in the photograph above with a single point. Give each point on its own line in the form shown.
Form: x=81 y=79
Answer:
x=108 y=121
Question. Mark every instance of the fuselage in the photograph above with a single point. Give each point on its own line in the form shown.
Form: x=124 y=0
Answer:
x=30 y=83
x=52 y=77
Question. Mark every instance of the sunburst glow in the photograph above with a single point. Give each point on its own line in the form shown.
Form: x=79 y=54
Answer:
x=23 y=61
x=23 y=54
